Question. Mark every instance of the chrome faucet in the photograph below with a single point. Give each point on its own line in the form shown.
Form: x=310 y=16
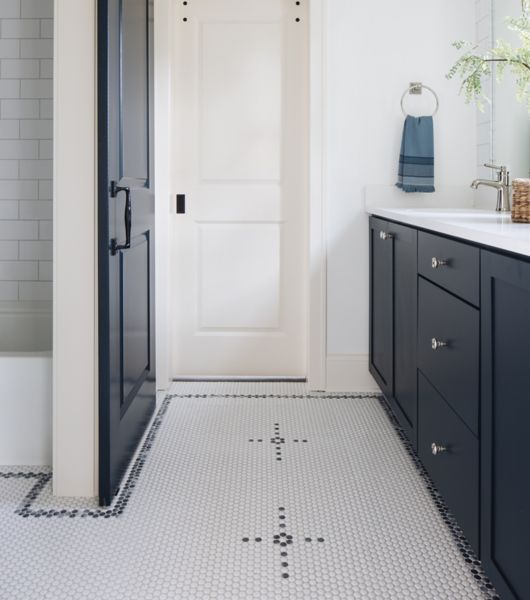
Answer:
x=502 y=185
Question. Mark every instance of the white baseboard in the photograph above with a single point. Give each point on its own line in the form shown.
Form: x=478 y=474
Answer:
x=349 y=373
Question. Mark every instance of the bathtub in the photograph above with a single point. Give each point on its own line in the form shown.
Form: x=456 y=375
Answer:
x=25 y=383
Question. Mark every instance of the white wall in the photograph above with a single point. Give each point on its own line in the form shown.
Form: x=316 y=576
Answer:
x=484 y=39
x=163 y=212
x=374 y=49
x=74 y=317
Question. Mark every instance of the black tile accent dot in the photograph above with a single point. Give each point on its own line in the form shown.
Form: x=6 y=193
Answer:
x=283 y=540
x=277 y=440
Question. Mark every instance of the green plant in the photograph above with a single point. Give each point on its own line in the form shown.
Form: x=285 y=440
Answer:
x=474 y=65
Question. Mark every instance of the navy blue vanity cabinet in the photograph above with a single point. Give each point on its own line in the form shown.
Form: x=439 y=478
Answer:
x=453 y=265
x=505 y=419
x=454 y=317
x=450 y=453
x=448 y=349
x=393 y=317
x=382 y=306
x=448 y=372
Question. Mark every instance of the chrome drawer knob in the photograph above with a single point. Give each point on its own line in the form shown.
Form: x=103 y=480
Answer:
x=438 y=262
x=437 y=449
x=437 y=344
x=385 y=236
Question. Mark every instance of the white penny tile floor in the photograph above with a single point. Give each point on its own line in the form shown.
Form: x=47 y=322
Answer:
x=245 y=491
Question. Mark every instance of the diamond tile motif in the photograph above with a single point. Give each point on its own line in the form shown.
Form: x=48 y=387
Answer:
x=206 y=514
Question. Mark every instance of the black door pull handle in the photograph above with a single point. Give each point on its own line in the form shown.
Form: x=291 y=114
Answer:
x=115 y=189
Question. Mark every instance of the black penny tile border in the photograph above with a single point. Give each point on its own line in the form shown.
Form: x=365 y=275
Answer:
x=25 y=509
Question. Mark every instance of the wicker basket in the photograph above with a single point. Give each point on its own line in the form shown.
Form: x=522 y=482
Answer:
x=521 y=201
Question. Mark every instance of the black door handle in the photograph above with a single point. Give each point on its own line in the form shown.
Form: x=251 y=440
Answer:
x=115 y=189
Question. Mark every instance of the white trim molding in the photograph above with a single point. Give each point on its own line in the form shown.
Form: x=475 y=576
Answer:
x=74 y=251
x=317 y=325
x=349 y=373
x=163 y=11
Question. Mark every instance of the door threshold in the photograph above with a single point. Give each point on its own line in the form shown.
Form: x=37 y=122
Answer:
x=244 y=379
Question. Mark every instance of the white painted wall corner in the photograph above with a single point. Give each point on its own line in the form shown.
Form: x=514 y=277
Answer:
x=75 y=251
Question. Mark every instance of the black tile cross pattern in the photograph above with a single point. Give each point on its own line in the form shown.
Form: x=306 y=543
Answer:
x=283 y=541
x=278 y=440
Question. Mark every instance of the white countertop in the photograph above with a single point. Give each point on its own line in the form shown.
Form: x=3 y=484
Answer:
x=488 y=228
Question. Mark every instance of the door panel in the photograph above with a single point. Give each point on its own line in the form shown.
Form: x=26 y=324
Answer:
x=233 y=294
x=405 y=398
x=126 y=233
x=136 y=304
x=382 y=306
x=134 y=146
x=241 y=130
x=239 y=271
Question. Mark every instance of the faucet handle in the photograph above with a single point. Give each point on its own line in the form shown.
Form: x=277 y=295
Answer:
x=502 y=168
x=503 y=172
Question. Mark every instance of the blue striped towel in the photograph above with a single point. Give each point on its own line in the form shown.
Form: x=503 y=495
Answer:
x=416 y=161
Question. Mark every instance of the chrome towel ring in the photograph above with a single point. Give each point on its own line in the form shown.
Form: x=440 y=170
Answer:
x=416 y=88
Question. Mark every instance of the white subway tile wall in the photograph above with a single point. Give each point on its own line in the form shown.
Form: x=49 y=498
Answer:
x=484 y=38
x=26 y=134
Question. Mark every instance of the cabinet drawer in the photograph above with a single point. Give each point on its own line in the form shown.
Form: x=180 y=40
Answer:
x=453 y=463
x=461 y=272
x=454 y=368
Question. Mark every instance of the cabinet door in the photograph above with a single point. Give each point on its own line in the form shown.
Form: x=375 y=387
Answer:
x=505 y=454
x=455 y=468
x=405 y=399
x=381 y=305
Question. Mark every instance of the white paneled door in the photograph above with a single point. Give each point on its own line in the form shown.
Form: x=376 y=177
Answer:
x=240 y=155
